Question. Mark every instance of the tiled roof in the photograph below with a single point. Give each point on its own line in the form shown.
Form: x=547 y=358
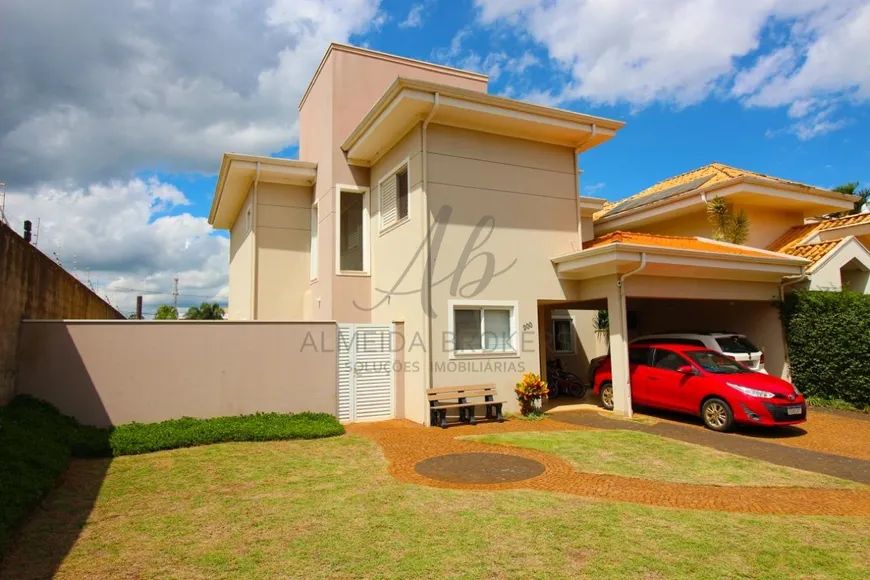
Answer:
x=813 y=252
x=675 y=242
x=704 y=177
x=790 y=242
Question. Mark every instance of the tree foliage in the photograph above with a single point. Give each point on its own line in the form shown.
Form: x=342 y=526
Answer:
x=601 y=324
x=828 y=337
x=852 y=189
x=728 y=226
x=166 y=312
x=205 y=311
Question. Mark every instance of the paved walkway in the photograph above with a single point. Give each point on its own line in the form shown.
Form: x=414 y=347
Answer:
x=405 y=444
x=779 y=454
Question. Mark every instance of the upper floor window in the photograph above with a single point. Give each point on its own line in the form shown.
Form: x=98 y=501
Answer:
x=563 y=334
x=393 y=195
x=352 y=231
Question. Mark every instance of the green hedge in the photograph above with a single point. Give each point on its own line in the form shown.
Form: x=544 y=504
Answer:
x=828 y=336
x=37 y=442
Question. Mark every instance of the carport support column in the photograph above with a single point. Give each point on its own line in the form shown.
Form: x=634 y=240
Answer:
x=619 y=350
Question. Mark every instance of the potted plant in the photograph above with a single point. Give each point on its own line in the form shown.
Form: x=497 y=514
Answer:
x=530 y=391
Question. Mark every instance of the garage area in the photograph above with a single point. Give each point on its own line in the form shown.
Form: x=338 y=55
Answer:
x=659 y=284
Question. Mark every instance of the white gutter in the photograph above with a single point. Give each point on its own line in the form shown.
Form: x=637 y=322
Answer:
x=427 y=321
x=794 y=280
x=620 y=283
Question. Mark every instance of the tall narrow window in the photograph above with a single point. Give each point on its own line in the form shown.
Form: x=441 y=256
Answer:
x=351 y=240
x=402 y=194
x=393 y=191
x=314 y=247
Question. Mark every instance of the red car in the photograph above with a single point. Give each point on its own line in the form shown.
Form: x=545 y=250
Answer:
x=705 y=383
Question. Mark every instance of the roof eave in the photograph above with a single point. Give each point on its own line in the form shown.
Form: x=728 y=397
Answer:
x=773 y=259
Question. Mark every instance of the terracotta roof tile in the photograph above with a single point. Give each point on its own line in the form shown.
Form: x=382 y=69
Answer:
x=675 y=242
x=813 y=252
x=714 y=172
x=792 y=238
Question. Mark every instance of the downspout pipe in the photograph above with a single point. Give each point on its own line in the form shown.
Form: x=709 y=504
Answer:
x=795 y=280
x=427 y=321
x=254 y=250
x=620 y=283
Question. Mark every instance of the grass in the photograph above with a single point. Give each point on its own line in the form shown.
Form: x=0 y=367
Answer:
x=37 y=442
x=328 y=508
x=633 y=454
x=837 y=404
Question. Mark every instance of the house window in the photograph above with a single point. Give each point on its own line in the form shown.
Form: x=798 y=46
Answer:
x=483 y=328
x=314 y=252
x=352 y=231
x=393 y=191
x=563 y=335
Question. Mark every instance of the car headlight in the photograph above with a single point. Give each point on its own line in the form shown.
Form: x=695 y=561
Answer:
x=751 y=392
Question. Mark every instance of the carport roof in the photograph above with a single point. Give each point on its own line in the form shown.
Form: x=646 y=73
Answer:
x=675 y=242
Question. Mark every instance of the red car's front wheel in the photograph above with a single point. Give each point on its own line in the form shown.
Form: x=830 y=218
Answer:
x=717 y=415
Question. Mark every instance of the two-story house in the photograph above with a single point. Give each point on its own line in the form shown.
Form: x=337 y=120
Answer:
x=447 y=221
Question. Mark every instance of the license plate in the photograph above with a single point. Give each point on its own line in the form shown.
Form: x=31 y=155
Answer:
x=794 y=410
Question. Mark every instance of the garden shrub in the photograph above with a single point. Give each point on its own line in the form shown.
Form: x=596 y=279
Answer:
x=136 y=438
x=37 y=442
x=828 y=337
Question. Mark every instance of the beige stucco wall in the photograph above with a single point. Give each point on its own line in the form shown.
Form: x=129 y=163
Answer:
x=241 y=265
x=765 y=224
x=586 y=344
x=527 y=190
x=283 y=244
x=347 y=86
x=110 y=373
x=393 y=252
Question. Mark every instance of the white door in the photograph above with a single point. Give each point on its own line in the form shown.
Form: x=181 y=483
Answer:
x=365 y=373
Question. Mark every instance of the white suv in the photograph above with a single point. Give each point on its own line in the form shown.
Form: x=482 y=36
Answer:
x=731 y=344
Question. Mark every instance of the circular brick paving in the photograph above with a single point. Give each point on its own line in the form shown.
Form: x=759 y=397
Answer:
x=479 y=468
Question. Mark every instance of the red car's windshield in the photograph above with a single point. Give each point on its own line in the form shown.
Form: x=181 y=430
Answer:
x=715 y=363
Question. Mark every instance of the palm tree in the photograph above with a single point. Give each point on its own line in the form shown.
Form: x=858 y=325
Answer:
x=205 y=311
x=601 y=324
x=852 y=189
x=727 y=226
x=166 y=312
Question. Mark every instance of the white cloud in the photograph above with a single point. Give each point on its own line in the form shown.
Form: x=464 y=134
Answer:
x=115 y=235
x=156 y=85
x=684 y=51
x=414 y=18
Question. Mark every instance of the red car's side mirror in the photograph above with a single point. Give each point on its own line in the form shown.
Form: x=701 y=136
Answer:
x=686 y=370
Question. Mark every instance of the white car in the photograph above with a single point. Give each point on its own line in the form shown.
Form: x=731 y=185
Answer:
x=731 y=344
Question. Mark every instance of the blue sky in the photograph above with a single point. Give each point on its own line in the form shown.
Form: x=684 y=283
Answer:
x=113 y=134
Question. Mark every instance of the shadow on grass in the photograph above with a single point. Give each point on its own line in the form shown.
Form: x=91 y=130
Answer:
x=46 y=536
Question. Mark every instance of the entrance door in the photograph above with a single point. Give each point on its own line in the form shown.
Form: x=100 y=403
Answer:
x=365 y=373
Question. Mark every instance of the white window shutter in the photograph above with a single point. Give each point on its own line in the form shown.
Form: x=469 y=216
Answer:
x=389 y=211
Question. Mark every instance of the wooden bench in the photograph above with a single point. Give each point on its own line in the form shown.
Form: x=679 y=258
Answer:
x=445 y=398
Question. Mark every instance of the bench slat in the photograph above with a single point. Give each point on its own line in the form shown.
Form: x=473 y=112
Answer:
x=477 y=404
x=463 y=394
x=440 y=390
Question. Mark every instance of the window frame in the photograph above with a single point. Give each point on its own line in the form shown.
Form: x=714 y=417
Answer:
x=512 y=306
x=391 y=174
x=366 y=218
x=570 y=320
x=314 y=246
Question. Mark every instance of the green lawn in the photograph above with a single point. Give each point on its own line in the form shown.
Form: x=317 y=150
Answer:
x=328 y=508
x=634 y=454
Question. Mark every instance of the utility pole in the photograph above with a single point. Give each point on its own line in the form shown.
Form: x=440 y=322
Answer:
x=138 y=308
x=175 y=294
x=3 y=202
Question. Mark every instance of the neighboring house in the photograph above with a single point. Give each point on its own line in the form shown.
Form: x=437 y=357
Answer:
x=424 y=204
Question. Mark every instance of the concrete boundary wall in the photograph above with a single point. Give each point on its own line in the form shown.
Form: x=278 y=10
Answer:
x=114 y=372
